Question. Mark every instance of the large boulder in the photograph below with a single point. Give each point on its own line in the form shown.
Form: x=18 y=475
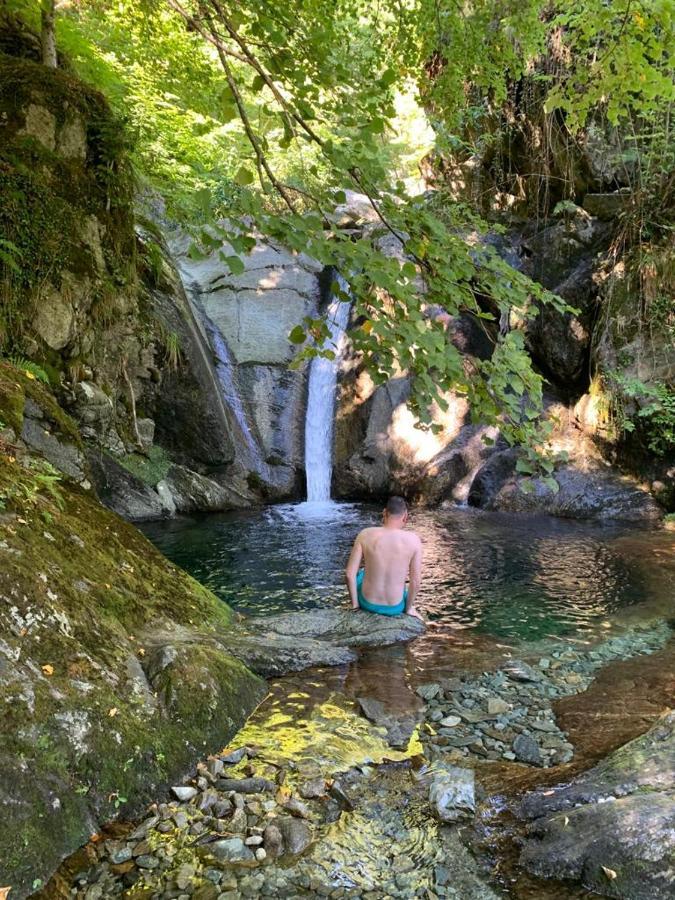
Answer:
x=380 y=447
x=99 y=706
x=588 y=492
x=612 y=828
x=247 y=319
x=563 y=257
x=276 y=645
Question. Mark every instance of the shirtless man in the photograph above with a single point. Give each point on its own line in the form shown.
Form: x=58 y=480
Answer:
x=391 y=555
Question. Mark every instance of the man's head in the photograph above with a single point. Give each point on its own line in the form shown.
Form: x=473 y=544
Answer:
x=396 y=511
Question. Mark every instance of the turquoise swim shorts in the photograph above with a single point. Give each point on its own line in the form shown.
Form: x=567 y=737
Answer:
x=380 y=608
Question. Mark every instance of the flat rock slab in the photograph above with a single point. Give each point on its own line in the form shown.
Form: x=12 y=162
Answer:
x=612 y=828
x=291 y=642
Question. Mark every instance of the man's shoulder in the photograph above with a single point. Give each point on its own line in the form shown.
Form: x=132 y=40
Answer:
x=414 y=538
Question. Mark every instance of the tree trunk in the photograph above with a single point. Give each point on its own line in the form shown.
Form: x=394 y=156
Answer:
x=48 y=33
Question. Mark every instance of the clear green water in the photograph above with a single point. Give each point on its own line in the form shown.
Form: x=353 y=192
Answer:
x=515 y=578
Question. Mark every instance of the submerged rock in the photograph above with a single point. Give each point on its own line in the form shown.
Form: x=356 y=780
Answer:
x=399 y=726
x=613 y=828
x=451 y=793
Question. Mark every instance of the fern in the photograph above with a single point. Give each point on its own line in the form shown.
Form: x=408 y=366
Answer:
x=28 y=367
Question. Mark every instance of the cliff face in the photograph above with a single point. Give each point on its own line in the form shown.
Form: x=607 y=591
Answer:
x=93 y=299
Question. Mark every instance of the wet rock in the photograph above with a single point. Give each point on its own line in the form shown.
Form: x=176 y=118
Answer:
x=297 y=835
x=245 y=785
x=399 y=727
x=617 y=817
x=313 y=789
x=338 y=793
x=451 y=793
x=147 y=862
x=331 y=811
x=232 y=850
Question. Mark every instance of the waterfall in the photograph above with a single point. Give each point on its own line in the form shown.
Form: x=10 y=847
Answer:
x=226 y=370
x=321 y=405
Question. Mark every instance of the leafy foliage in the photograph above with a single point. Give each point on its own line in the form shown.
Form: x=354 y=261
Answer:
x=266 y=113
x=653 y=411
x=29 y=368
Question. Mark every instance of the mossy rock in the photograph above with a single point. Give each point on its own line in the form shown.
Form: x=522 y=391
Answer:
x=67 y=186
x=113 y=680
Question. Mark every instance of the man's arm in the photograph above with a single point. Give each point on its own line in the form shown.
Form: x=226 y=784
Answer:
x=352 y=569
x=414 y=579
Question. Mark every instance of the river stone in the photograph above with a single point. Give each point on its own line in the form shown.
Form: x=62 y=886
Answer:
x=231 y=850
x=245 y=785
x=273 y=840
x=496 y=706
x=297 y=835
x=450 y=721
x=619 y=815
x=185 y=793
x=527 y=750
x=399 y=727
x=233 y=757
x=521 y=671
x=313 y=789
x=451 y=793
x=428 y=691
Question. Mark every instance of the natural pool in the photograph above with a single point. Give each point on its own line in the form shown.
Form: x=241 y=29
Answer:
x=508 y=577
x=497 y=588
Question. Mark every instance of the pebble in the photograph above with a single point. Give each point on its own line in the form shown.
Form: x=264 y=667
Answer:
x=184 y=793
x=449 y=721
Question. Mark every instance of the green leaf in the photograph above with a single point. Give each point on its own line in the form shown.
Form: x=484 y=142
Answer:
x=235 y=265
x=551 y=484
x=297 y=335
x=244 y=176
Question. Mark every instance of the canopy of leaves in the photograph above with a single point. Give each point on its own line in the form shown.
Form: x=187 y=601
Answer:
x=265 y=112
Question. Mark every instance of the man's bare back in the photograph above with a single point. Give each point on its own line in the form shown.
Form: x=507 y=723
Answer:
x=391 y=557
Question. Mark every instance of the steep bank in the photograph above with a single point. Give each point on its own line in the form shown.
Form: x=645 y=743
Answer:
x=98 y=704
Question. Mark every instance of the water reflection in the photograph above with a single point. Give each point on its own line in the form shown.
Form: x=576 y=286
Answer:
x=513 y=578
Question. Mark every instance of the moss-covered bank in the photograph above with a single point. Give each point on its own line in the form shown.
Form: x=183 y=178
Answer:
x=111 y=681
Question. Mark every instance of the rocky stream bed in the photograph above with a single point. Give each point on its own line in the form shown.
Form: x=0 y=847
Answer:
x=350 y=798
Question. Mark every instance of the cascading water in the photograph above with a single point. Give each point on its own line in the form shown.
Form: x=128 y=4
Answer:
x=226 y=369
x=321 y=405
